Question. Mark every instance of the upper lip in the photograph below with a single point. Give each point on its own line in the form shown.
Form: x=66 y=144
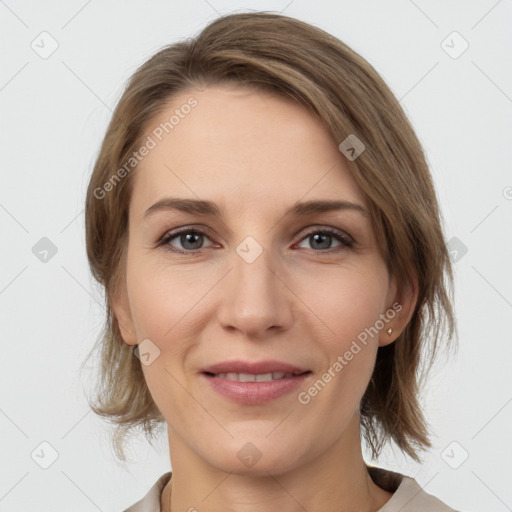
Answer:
x=255 y=368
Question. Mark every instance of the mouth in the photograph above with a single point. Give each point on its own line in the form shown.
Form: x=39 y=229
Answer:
x=253 y=383
x=258 y=377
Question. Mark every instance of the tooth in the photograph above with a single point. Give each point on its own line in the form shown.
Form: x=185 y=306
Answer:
x=246 y=377
x=264 y=377
x=261 y=377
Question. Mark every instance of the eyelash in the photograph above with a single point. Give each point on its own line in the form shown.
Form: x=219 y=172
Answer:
x=346 y=241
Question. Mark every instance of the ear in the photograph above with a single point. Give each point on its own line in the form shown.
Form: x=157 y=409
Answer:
x=403 y=305
x=123 y=315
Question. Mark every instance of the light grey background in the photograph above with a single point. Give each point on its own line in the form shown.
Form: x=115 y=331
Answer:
x=54 y=113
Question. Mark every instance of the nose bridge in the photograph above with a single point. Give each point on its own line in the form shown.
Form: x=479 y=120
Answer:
x=251 y=264
x=254 y=299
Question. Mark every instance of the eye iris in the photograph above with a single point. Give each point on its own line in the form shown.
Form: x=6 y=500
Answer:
x=192 y=238
x=319 y=240
x=322 y=239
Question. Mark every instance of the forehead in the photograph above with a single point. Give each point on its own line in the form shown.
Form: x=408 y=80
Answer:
x=240 y=145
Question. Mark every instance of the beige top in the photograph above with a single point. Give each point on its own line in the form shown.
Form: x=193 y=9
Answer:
x=408 y=496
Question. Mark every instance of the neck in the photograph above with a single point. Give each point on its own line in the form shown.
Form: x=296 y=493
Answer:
x=335 y=481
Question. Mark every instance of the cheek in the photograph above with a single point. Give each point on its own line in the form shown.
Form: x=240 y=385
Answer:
x=167 y=306
x=350 y=309
x=337 y=305
x=348 y=302
x=162 y=298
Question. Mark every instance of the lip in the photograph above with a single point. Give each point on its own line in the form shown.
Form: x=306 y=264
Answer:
x=254 y=393
x=253 y=368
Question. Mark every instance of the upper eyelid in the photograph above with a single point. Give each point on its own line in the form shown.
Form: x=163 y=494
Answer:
x=169 y=234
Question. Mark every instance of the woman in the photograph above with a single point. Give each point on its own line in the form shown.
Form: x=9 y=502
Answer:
x=265 y=226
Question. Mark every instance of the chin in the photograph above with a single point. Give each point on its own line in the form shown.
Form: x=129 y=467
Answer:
x=254 y=458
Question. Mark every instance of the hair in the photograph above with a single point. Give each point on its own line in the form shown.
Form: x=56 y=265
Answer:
x=288 y=57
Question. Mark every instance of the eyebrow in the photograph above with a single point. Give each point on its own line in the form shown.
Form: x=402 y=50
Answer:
x=299 y=209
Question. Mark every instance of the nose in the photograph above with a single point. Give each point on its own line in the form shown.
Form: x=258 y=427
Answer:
x=255 y=299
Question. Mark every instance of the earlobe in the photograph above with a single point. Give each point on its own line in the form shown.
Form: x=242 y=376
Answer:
x=400 y=309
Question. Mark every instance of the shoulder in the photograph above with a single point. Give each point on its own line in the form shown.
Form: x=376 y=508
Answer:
x=408 y=495
x=151 y=501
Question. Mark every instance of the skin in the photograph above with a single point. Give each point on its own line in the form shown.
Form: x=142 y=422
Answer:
x=255 y=154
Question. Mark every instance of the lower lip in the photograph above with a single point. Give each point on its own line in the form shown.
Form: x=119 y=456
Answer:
x=254 y=393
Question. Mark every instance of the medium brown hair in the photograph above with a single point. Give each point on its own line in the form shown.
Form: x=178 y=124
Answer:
x=288 y=57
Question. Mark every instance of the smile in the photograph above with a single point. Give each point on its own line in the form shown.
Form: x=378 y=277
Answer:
x=260 y=377
x=254 y=389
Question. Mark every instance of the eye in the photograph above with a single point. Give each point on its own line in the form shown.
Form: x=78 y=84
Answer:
x=322 y=239
x=191 y=240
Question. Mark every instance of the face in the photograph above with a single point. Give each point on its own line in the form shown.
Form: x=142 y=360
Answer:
x=261 y=280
